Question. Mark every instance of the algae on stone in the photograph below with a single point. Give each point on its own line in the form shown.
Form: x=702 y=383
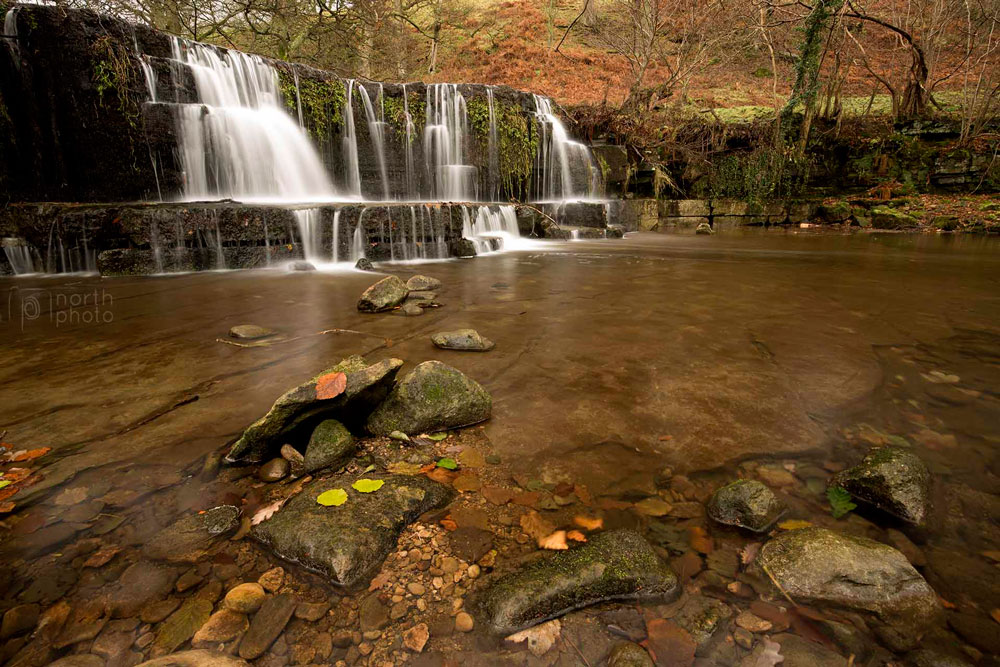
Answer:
x=384 y=295
x=330 y=444
x=745 y=503
x=894 y=480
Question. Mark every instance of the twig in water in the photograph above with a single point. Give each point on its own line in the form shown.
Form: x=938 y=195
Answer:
x=775 y=582
x=567 y=640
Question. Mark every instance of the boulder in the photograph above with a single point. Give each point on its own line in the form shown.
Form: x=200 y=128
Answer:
x=330 y=445
x=747 y=504
x=894 y=480
x=366 y=386
x=704 y=228
x=614 y=565
x=461 y=248
x=384 y=295
x=348 y=543
x=419 y=283
x=431 y=397
x=816 y=565
x=885 y=217
x=250 y=332
x=467 y=340
x=838 y=211
x=301 y=265
x=364 y=264
x=200 y=658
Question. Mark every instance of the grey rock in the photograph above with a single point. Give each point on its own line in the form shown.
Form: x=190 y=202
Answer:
x=222 y=519
x=301 y=265
x=747 y=504
x=367 y=385
x=431 y=397
x=141 y=583
x=267 y=624
x=410 y=309
x=198 y=658
x=364 y=264
x=819 y=565
x=349 y=543
x=274 y=470
x=931 y=658
x=384 y=295
x=800 y=652
x=330 y=446
x=701 y=616
x=250 y=332
x=614 y=565
x=704 y=228
x=419 y=283
x=892 y=479
x=462 y=339
x=629 y=654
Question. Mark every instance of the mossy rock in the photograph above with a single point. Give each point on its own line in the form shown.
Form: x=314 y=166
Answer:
x=945 y=223
x=834 y=213
x=330 y=445
x=366 y=387
x=431 y=397
x=384 y=295
x=747 y=504
x=614 y=565
x=892 y=479
x=885 y=217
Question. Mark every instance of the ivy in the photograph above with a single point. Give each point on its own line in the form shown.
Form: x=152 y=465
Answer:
x=763 y=174
x=112 y=75
x=322 y=102
x=517 y=142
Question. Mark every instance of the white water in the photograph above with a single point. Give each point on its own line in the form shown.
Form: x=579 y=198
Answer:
x=376 y=131
x=489 y=225
x=411 y=180
x=557 y=155
x=20 y=259
x=10 y=30
x=445 y=135
x=350 y=141
x=493 y=176
x=238 y=142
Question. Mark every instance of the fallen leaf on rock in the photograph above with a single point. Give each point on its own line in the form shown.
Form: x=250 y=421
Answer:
x=436 y=437
x=699 y=540
x=465 y=483
x=447 y=464
x=17 y=474
x=367 y=485
x=442 y=476
x=30 y=454
x=101 y=557
x=749 y=552
x=556 y=541
x=946 y=604
x=540 y=638
x=71 y=496
x=765 y=654
x=8 y=492
x=330 y=386
x=379 y=581
x=576 y=536
x=427 y=467
x=653 y=507
x=535 y=526
x=669 y=643
x=6 y=507
x=5 y=482
x=497 y=495
x=666 y=438
x=265 y=513
x=588 y=522
x=794 y=524
x=449 y=524
x=332 y=498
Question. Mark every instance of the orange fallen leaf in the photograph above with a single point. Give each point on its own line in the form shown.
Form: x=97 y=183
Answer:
x=666 y=438
x=946 y=604
x=588 y=523
x=449 y=525
x=7 y=492
x=102 y=556
x=17 y=474
x=700 y=541
x=330 y=386
x=379 y=581
x=443 y=476
x=556 y=541
x=30 y=454
x=6 y=508
x=427 y=468
x=576 y=536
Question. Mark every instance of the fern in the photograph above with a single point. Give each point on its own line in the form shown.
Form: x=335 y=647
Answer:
x=840 y=501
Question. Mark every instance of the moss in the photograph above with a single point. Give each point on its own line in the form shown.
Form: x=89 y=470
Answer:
x=760 y=175
x=322 y=102
x=113 y=73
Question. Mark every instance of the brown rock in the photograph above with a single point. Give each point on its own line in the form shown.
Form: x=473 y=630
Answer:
x=311 y=611
x=272 y=579
x=670 y=644
x=222 y=626
x=267 y=624
x=416 y=637
x=245 y=598
x=464 y=622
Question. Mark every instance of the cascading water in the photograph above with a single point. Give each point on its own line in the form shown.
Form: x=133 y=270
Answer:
x=445 y=135
x=10 y=31
x=308 y=220
x=492 y=228
x=19 y=257
x=238 y=141
x=493 y=176
x=376 y=130
x=352 y=165
x=411 y=180
x=557 y=155
x=359 y=240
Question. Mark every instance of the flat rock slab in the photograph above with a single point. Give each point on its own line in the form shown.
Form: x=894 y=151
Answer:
x=187 y=539
x=348 y=543
x=143 y=582
x=365 y=387
x=615 y=565
x=250 y=332
x=196 y=659
x=465 y=340
x=819 y=565
x=892 y=479
x=431 y=397
x=267 y=624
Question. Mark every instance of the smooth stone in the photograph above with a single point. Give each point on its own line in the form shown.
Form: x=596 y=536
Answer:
x=181 y=626
x=19 y=619
x=184 y=541
x=420 y=283
x=931 y=658
x=222 y=519
x=311 y=611
x=894 y=480
x=416 y=637
x=800 y=652
x=301 y=265
x=267 y=624
x=464 y=622
x=295 y=460
x=422 y=295
x=80 y=660
x=197 y=658
x=614 y=565
x=349 y=543
x=367 y=386
x=819 y=565
x=330 y=446
x=364 y=264
x=629 y=654
x=467 y=340
x=372 y=614
x=245 y=598
x=704 y=228
x=410 y=309
x=701 y=617
x=272 y=580
x=384 y=295
x=222 y=626
x=747 y=504
x=250 y=332
x=143 y=582
x=159 y=610
x=274 y=470
x=431 y=397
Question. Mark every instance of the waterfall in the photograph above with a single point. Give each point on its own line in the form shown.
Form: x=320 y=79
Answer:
x=10 y=30
x=445 y=135
x=358 y=243
x=376 y=131
x=19 y=256
x=557 y=156
x=351 y=163
x=493 y=228
x=336 y=236
x=308 y=220
x=493 y=177
x=411 y=182
x=238 y=141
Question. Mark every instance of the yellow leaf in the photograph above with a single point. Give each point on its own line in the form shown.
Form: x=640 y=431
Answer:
x=794 y=524
x=333 y=497
x=367 y=485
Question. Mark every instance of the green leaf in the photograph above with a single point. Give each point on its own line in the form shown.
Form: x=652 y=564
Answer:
x=367 y=485
x=5 y=482
x=840 y=501
x=898 y=441
x=332 y=498
x=368 y=469
x=447 y=464
x=438 y=437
